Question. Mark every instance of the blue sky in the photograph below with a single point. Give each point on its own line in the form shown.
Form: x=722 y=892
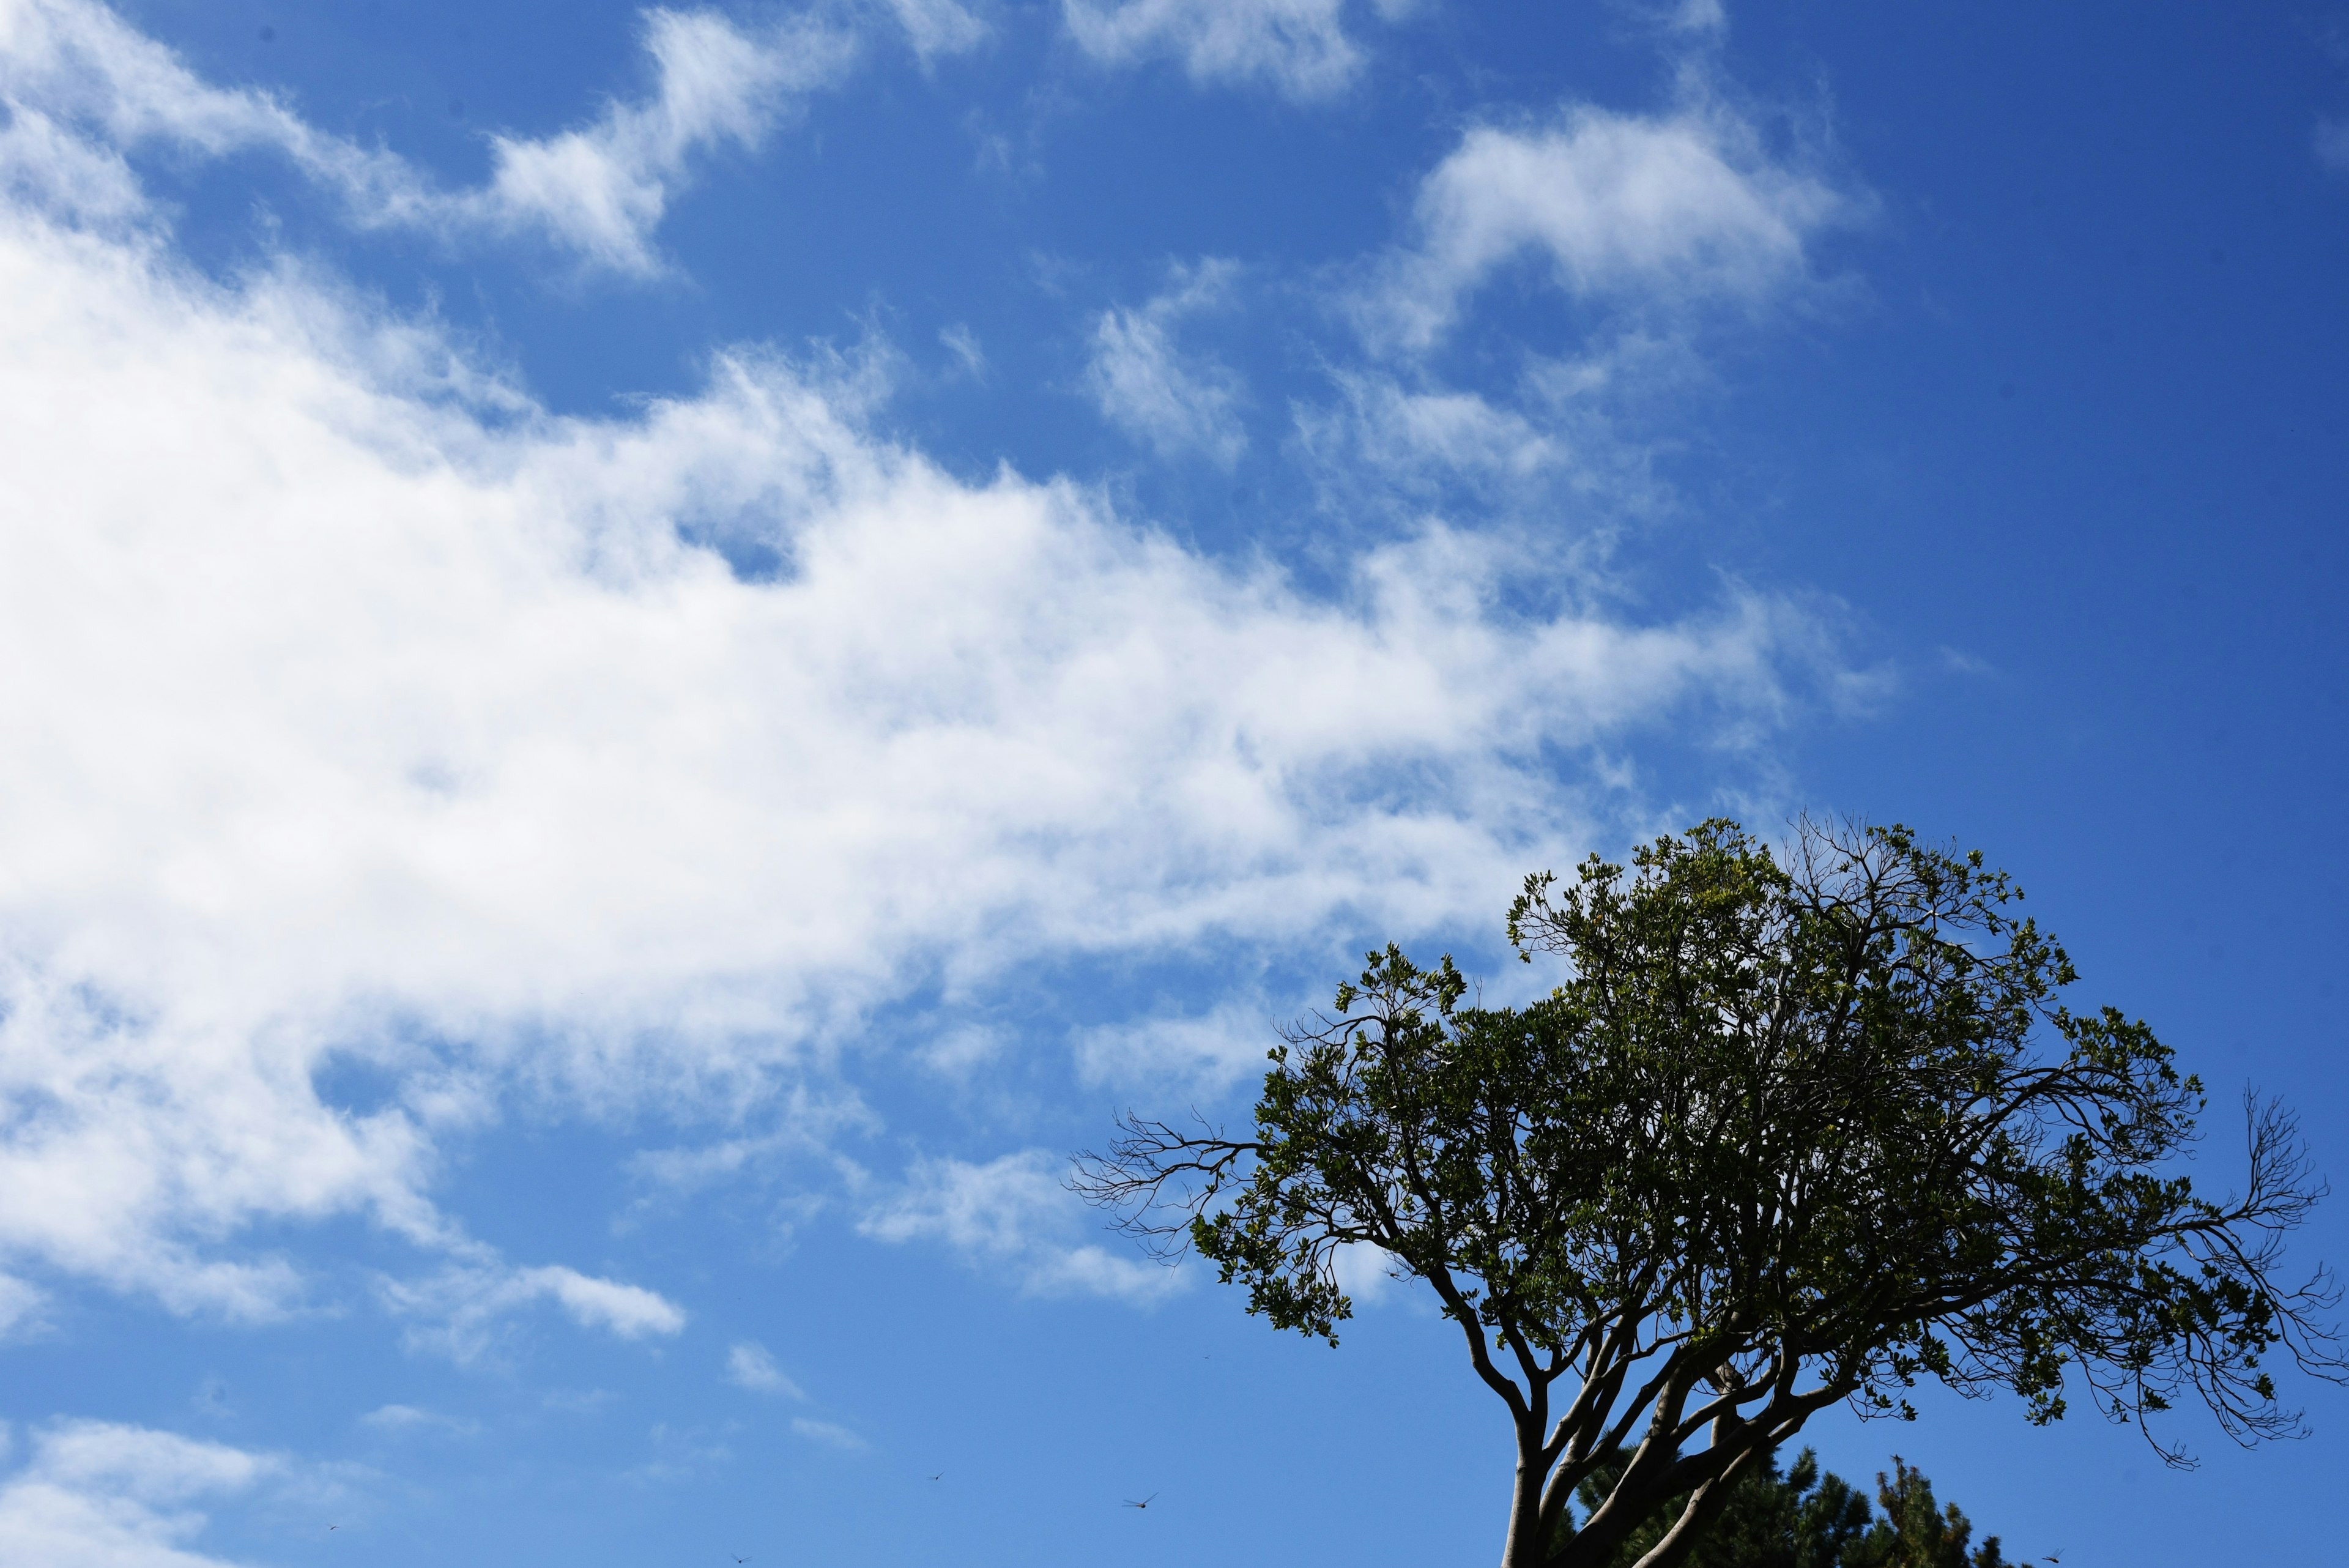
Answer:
x=651 y=657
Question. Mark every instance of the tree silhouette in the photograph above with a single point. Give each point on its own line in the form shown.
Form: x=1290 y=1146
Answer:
x=1785 y=1136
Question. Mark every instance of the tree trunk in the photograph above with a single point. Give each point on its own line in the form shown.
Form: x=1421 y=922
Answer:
x=1527 y=1545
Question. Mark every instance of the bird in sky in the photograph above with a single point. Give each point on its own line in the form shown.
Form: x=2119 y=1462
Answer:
x=737 y=1559
x=940 y=1476
x=1146 y=1502
x=2054 y=1556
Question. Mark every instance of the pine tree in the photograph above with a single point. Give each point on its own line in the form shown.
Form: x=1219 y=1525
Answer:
x=1913 y=1535
x=1807 y=1518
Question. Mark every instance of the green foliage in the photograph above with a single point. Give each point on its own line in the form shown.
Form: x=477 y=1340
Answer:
x=1806 y=1518
x=1785 y=1135
x=1914 y=1536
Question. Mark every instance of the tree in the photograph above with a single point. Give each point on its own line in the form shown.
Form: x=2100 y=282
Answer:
x=1913 y=1535
x=1785 y=1136
x=1806 y=1518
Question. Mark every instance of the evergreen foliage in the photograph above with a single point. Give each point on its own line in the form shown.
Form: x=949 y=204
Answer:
x=1804 y=1517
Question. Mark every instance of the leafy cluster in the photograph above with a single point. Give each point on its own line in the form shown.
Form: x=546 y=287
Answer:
x=1807 y=1518
x=1787 y=1134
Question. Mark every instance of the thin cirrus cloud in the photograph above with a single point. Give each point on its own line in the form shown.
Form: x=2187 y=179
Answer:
x=830 y=1434
x=461 y=1311
x=2333 y=145
x=1409 y=439
x=1686 y=204
x=1573 y=434
x=598 y=192
x=1210 y=1051
x=95 y=1494
x=20 y=1306
x=749 y=1365
x=1013 y=1218
x=939 y=27
x=409 y=1418
x=1300 y=47
x=1144 y=382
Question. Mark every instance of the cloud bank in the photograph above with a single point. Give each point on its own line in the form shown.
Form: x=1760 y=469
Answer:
x=95 y=1494
x=364 y=714
x=372 y=725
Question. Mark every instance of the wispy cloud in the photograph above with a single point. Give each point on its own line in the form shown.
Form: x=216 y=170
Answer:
x=749 y=1365
x=1572 y=445
x=1415 y=438
x=1144 y=383
x=602 y=190
x=937 y=28
x=1211 y=1050
x=1012 y=1217
x=413 y=1418
x=95 y=88
x=20 y=1306
x=1299 y=46
x=459 y=1311
x=1680 y=205
x=830 y=1434
x=2333 y=144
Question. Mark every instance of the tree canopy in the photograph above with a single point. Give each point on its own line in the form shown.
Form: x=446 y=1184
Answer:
x=1789 y=1132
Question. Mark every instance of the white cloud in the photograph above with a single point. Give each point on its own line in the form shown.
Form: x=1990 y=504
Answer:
x=1299 y=46
x=2333 y=144
x=1144 y=384
x=599 y=190
x=20 y=1306
x=97 y=1495
x=1412 y=436
x=630 y=1312
x=1013 y=1217
x=1212 y=1050
x=1367 y=1273
x=1669 y=206
x=828 y=1433
x=410 y=1419
x=462 y=1308
x=1576 y=437
x=1699 y=17
x=361 y=712
x=959 y=1051
x=46 y=166
x=963 y=343
x=749 y=1366
x=938 y=27
x=602 y=190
